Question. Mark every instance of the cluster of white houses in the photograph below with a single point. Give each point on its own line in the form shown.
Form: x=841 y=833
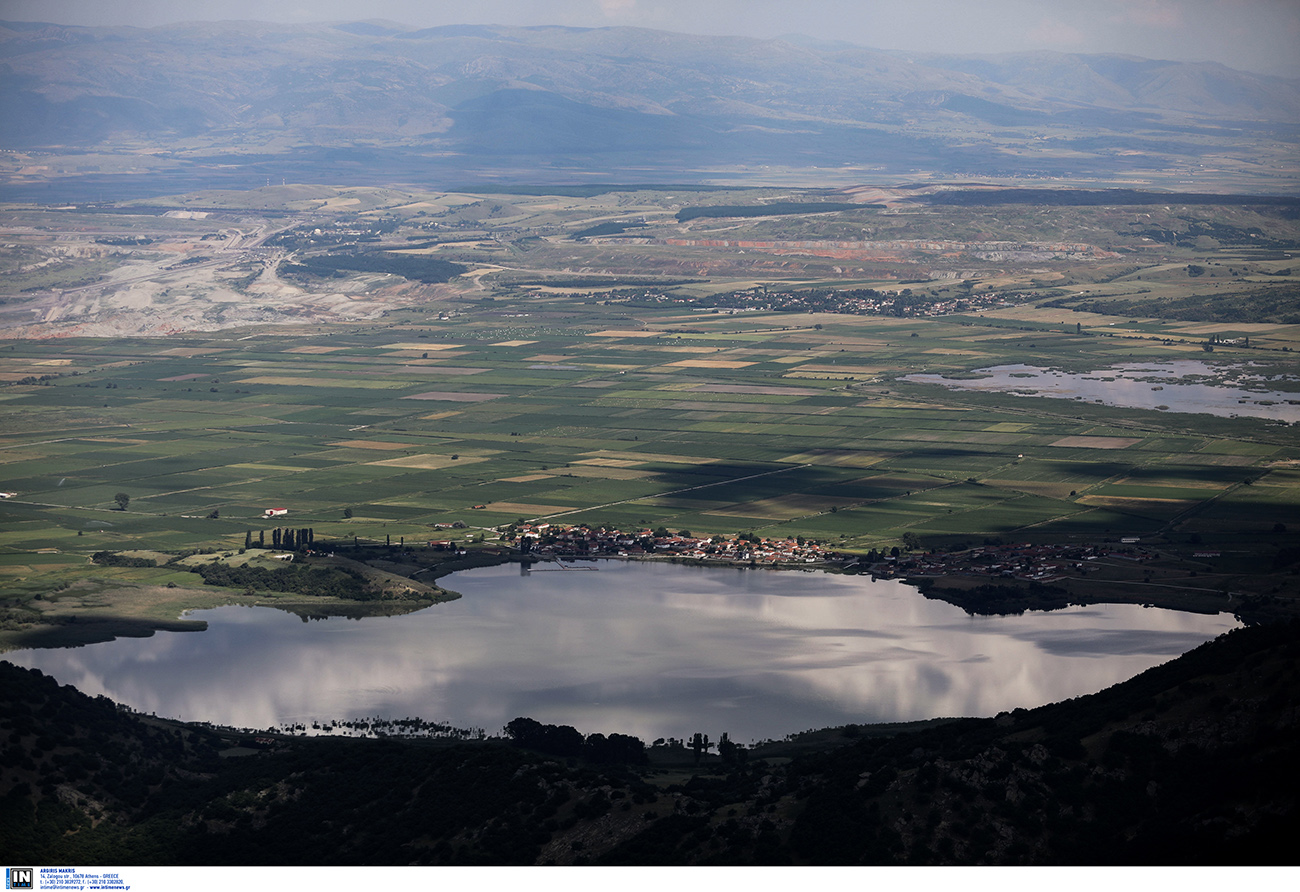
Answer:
x=560 y=540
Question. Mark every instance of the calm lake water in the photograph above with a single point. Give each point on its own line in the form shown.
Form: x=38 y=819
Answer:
x=650 y=649
x=1179 y=386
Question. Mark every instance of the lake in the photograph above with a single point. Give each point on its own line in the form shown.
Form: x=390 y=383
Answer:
x=1184 y=385
x=646 y=648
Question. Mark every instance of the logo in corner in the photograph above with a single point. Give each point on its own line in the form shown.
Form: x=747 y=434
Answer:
x=19 y=878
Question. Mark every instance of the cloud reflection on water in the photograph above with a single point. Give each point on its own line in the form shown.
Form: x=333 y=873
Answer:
x=648 y=649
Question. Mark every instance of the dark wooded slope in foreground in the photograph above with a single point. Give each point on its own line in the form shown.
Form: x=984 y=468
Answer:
x=1192 y=762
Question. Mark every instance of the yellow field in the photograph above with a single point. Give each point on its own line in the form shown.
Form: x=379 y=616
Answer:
x=708 y=364
x=422 y=347
x=841 y=369
x=426 y=462
x=525 y=509
x=1098 y=442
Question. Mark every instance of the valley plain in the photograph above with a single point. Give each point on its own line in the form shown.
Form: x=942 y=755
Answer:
x=651 y=361
x=311 y=317
x=721 y=362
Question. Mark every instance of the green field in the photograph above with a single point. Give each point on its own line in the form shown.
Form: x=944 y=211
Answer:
x=361 y=436
x=588 y=407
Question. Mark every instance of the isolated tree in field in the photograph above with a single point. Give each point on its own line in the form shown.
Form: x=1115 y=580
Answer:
x=347 y=512
x=248 y=538
x=122 y=500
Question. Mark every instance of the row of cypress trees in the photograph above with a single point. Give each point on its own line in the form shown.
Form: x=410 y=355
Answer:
x=287 y=539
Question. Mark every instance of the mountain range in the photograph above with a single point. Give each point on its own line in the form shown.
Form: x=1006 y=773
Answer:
x=624 y=101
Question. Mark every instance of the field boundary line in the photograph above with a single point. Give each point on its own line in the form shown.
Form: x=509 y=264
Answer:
x=674 y=492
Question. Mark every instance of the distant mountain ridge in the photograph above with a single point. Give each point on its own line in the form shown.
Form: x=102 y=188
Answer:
x=651 y=97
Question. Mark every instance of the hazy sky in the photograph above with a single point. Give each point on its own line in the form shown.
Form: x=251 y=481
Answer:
x=1255 y=35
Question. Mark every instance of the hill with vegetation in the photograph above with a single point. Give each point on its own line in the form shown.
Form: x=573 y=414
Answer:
x=1193 y=762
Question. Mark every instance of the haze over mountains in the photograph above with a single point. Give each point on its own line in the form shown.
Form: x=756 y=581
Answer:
x=554 y=104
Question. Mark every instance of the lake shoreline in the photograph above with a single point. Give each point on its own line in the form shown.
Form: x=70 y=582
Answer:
x=653 y=647
x=132 y=610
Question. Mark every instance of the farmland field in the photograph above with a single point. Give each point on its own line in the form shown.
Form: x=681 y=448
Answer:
x=754 y=391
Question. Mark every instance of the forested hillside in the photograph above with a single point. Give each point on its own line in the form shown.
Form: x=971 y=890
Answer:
x=1193 y=762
